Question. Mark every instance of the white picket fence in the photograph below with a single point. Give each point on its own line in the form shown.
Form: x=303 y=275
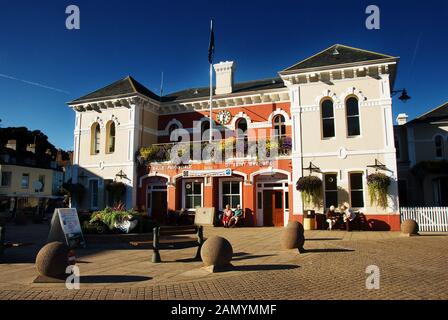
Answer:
x=429 y=219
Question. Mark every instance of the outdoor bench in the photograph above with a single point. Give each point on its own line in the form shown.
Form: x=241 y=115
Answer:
x=166 y=231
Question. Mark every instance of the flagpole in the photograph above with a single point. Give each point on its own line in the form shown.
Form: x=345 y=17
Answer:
x=211 y=86
x=211 y=102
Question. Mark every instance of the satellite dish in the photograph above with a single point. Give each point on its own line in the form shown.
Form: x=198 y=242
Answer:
x=37 y=186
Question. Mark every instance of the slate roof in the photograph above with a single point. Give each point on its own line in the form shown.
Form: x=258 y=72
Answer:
x=345 y=55
x=123 y=87
x=265 y=84
x=438 y=114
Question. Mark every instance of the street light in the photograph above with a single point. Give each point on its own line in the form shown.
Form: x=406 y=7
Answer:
x=404 y=95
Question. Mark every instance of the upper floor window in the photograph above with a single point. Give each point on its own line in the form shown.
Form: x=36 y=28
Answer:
x=110 y=137
x=6 y=179
x=438 y=142
x=352 y=109
x=327 y=119
x=95 y=138
x=279 y=125
x=25 y=182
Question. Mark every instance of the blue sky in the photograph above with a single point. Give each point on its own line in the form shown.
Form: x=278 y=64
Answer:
x=144 y=38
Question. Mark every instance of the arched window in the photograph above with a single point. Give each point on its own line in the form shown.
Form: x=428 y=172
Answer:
x=438 y=142
x=352 y=110
x=171 y=129
x=205 y=127
x=327 y=119
x=279 y=126
x=241 y=128
x=241 y=136
x=110 y=137
x=95 y=134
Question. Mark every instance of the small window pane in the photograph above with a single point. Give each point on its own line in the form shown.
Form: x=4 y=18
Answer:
x=357 y=199
x=331 y=182
x=331 y=199
x=278 y=200
x=197 y=201
x=352 y=107
x=356 y=180
x=235 y=201
x=235 y=187
x=328 y=128
x=286 y=200
x=353 y=126
x=327 y=109
x=226 y=187
x=259 y=200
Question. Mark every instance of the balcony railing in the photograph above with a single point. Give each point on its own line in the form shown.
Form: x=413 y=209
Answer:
x=217 y=150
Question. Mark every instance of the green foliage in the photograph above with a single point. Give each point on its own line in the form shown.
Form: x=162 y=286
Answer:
x=378 y=184
x=311 y=188
x=110 y=217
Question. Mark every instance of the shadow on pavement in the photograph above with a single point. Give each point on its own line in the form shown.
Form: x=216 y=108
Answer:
x=113 y=279
x=265 y=267
x=328 y=250
x=322 y=239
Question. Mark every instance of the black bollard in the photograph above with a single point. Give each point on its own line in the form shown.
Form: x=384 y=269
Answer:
x=155 y=246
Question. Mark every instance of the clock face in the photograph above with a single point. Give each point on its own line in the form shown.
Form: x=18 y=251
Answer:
x=224 y=117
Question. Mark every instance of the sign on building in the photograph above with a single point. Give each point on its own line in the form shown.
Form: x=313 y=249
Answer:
x=207 y=173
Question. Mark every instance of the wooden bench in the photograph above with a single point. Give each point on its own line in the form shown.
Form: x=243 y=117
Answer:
x=175 y=231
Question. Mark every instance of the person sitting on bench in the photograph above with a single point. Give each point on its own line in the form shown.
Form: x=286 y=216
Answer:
x=332 y=217
x=227 y=215
x=237 y=216
x=348 y=215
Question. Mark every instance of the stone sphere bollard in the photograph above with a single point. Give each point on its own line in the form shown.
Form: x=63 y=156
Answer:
x=216 y=253
x=51 y=261
x=409 y=227
x=293 y=236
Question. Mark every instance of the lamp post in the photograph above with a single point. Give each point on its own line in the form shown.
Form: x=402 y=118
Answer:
x=404 y=97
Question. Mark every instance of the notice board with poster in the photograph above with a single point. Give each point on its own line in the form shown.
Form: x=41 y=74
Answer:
x=204 y=216
x=65 y=226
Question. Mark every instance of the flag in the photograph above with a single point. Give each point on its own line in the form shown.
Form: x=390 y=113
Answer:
x=211 y=46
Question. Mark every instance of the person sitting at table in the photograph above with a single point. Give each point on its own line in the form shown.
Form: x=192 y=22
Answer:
x=332 y=217
x=348 y=214
x=237 y=215
x=227 y=215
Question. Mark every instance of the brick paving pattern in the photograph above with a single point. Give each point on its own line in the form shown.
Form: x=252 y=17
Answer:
x=333 y=268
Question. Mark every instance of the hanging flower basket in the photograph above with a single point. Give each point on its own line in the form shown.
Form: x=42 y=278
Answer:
x=116 y=190
x=311 y=188
x=378 y=184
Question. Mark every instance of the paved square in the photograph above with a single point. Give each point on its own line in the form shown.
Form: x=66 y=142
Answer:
x=333 y=268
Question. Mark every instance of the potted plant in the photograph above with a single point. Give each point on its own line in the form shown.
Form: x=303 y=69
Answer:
x=311 y=189
x=377 y=184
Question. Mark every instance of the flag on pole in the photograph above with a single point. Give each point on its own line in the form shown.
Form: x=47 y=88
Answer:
x=211 y=46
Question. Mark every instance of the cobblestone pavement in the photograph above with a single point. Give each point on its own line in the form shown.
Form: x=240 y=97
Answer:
x=333 y=268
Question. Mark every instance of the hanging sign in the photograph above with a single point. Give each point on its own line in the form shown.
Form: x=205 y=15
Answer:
x=207 y=173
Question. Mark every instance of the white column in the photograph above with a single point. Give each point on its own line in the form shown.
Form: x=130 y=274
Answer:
x=296 y=156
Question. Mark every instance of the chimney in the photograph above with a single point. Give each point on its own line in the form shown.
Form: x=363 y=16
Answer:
x=402 y=119
x=12 y=144
x=224 y=77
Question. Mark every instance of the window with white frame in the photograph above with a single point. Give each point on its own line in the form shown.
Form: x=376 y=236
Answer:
x=328 y=130
x=438 y=143
x=331 y=190
x=192 y=194
x=25 y=182
x=231 y=193
x=352 y=109
x=356 y=190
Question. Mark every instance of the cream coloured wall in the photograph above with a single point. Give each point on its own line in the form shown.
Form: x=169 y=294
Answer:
x=16 y=177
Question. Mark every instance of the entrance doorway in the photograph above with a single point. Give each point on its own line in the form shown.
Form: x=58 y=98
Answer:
x=158 y=205
x=273 y=208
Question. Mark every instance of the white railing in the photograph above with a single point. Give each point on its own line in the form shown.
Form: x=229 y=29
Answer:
x=429 y=219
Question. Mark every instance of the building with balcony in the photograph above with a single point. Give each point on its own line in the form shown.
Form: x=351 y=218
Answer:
x=329 y=116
